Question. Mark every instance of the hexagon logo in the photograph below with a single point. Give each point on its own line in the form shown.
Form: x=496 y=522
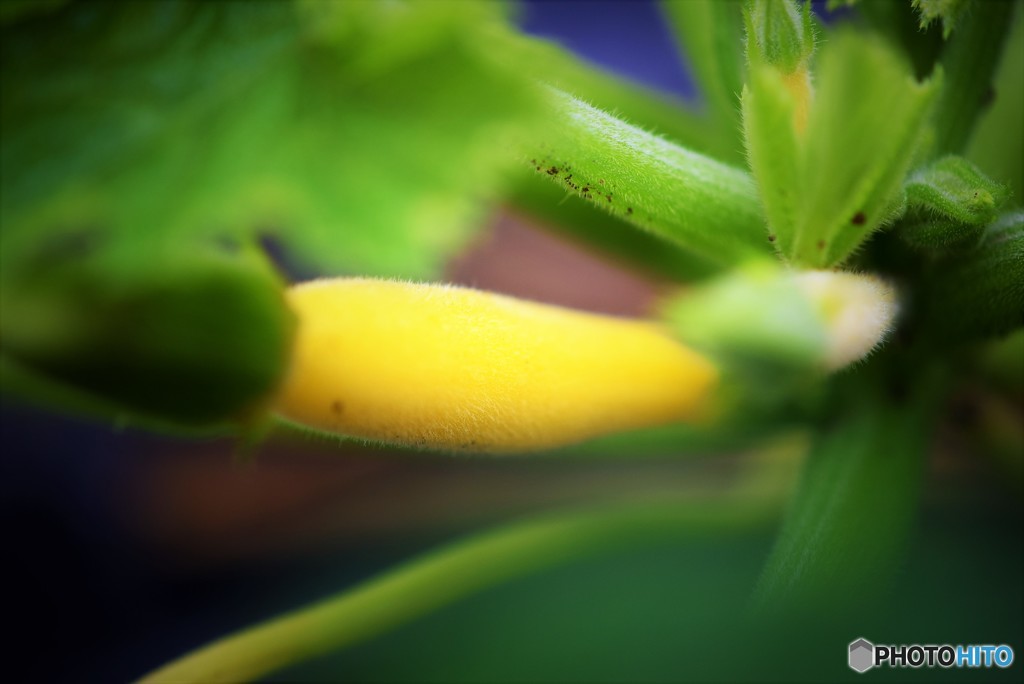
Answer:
x=862 y=655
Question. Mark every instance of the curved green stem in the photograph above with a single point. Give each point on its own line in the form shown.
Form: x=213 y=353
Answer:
x=465 y=568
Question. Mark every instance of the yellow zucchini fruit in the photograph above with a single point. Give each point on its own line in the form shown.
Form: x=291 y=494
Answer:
x=453 y=368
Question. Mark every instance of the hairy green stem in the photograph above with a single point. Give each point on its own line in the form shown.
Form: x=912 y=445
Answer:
x=700 y=204
x=468 y=567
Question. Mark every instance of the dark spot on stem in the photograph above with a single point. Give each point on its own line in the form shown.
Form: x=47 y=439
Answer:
x=608 y=197
x=771 y=238
x=858 y=219
x=553 y=170
x=629 y=210
x=821 y=244
x=586 y=188
x=601 y=181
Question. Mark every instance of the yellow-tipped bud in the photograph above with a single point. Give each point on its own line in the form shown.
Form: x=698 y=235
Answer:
x=453 y=368
x=857 y=311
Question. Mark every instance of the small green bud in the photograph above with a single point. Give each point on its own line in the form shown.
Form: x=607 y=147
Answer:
x=768 y=317
x=780 y=34
x=953 y=188
x=948 y=204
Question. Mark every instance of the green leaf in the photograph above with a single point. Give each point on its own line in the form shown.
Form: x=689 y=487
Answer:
x=317 y=126
x=773 y=152
x=862 y=135
x=980 y=292
x=693 y=201
x=141 y=140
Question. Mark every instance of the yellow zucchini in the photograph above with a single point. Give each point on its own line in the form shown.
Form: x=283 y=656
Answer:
x=453 y=368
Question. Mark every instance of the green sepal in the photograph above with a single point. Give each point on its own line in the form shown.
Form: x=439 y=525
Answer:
x=773 y=153
x=826 y=190
x=191 y=334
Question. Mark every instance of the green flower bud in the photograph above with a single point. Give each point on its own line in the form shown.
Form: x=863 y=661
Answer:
x=779 y=34
x=765 y=316
x=949 y=202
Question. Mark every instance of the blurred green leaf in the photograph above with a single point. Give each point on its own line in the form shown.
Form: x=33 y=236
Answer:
x=315 y=125
x=142 y=138
x=695 y=202
x=710 y=35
